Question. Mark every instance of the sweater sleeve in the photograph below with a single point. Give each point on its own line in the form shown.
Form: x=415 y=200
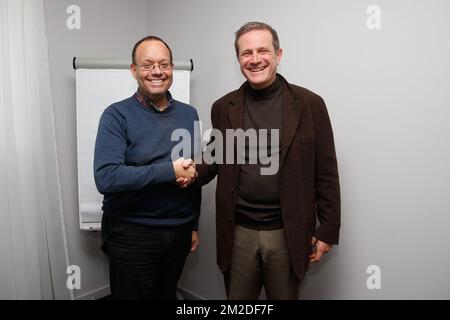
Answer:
x=110 y=170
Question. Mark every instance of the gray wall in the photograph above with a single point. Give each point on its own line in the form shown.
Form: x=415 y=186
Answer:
x=109 y=28
x=387 y=95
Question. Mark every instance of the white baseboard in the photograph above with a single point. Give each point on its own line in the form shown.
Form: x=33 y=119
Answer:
x=188 y=295
x=105 y=291
x=95 y=295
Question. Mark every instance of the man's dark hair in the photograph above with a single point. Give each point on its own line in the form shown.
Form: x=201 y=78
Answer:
x=149 y=38
x=255 y=25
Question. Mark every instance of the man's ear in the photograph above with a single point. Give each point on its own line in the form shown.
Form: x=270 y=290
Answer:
x=133 y=70
x=279 y=55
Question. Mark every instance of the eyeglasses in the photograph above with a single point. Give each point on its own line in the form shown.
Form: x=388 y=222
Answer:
x=150 y=66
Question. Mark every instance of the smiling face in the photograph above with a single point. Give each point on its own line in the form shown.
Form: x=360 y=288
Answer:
x=258 y=59
x=153 y=83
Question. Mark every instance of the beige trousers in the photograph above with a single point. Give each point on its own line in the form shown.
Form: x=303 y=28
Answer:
x=260 y=258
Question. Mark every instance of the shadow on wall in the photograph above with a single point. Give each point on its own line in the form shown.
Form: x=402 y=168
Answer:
x=318 y=288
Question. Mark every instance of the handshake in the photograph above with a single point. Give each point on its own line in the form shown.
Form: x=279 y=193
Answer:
x=185 y=172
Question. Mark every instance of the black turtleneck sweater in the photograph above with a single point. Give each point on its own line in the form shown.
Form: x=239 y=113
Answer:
x=258 y=205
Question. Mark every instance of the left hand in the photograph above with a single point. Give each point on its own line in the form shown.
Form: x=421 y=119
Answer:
x=321 y=248
x=195 y=242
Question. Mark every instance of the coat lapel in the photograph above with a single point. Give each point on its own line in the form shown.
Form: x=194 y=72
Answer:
x=236 y=116
x=236 y=109
x=291 y=119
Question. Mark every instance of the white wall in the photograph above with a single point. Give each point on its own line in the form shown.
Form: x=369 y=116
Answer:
x=387 y=95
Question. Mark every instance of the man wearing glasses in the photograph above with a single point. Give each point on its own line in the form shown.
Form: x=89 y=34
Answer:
x=149 y=224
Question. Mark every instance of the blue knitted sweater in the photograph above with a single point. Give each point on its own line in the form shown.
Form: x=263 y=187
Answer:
x=133 y=165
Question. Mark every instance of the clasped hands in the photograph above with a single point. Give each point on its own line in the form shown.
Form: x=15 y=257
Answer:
x=185 y=172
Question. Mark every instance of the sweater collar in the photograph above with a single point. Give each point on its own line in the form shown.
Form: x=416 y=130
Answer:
x=265 y=93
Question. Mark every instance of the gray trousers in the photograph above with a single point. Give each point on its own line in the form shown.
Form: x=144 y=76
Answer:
x=260 y=258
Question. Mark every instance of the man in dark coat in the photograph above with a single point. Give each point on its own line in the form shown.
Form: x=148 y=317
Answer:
x=266 y=220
